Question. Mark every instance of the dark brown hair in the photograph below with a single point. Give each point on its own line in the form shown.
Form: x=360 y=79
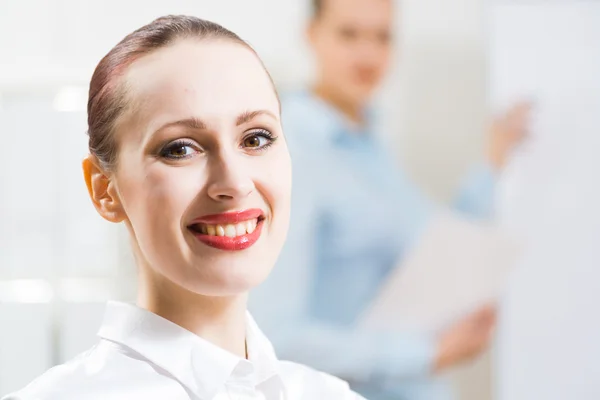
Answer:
x=107 y=96
x=317 y=7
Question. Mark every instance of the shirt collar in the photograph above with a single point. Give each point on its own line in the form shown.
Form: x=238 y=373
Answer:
x=198 y=364
x=260 y=352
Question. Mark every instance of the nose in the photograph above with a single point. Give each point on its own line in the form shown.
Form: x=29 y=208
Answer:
x=229 y=180
x=369 y=53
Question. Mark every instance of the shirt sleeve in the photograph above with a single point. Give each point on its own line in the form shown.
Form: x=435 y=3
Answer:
x=476 y=194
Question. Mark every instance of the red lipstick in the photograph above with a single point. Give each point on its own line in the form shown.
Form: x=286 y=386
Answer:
x=232 y=217
x=227 y=243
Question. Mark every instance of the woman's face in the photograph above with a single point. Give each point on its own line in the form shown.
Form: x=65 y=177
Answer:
x=204 y=174
x=352 y=42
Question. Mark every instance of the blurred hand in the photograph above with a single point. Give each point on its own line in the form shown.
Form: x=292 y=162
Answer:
x=466 y=339
x=507 y=132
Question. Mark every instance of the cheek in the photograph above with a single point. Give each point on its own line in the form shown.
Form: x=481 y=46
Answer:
x=346 y=57
x=275 y=181
x=334 y=55
x=159 y=194
x=384 y=59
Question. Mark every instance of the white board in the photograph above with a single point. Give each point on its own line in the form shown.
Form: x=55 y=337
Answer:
x=549 y=326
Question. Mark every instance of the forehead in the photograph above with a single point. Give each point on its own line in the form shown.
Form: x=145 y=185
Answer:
x=359 y=12
x=204 y=78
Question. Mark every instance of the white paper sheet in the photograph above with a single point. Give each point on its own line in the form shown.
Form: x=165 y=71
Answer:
x=457 y=265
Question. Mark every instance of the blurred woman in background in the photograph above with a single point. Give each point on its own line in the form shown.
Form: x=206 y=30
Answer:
x=187 y=150
x=355 y=214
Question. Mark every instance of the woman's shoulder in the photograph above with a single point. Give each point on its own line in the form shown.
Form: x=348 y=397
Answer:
x=305 y=118
x=54 y=384
x=303 y=382
x=105 y=372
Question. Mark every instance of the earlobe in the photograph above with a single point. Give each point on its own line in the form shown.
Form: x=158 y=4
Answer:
x=102 y=191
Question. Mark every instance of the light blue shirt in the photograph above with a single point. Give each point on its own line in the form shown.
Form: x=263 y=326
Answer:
x=354 y=214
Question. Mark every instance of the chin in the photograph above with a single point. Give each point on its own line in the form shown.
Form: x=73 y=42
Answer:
x=359 y=95
x=229 y=280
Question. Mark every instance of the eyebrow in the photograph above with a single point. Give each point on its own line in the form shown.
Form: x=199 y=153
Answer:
x=192 y=123
x=250 y=115
x=196 y=123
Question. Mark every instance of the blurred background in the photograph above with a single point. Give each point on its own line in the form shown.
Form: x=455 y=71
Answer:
x=458 y=61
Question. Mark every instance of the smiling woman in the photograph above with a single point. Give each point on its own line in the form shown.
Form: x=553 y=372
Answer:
x=187 y=150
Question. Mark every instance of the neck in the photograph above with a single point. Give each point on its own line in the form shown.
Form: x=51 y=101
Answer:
x=351 y=109
x=219 y=320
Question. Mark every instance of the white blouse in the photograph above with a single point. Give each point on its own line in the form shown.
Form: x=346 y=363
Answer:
x=141 y=355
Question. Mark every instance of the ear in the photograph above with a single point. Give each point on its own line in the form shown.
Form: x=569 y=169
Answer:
x=310 y=31
x=102 y=190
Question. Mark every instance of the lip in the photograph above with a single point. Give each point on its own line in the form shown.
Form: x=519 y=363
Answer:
x=365 y=77
x=236 y=243
x=232 y=217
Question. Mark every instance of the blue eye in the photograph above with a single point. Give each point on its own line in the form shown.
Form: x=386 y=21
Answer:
x=178 y=150
x=258 y=140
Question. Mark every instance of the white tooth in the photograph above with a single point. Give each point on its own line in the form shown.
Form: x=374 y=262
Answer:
x=211 y=230
x=204 y=229
x=240 y=229
x=230 y=230
x=251 y=226
x=220 y=230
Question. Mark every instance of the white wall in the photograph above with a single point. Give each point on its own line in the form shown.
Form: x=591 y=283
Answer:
x=61 y=41
x=439 y=110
